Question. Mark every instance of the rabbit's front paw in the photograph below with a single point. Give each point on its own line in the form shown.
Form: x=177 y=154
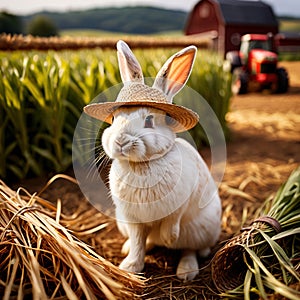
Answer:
x=169 y=234
x=133 y=266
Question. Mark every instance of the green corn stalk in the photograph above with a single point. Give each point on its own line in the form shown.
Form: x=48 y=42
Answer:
x=47 y=80
x=3 y=150
x=18 y=151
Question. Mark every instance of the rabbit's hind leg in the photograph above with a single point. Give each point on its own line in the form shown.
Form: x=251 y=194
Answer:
x=188 y=267
x=204 y=252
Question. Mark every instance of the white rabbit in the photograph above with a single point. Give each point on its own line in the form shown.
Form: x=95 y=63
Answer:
x=162 y=189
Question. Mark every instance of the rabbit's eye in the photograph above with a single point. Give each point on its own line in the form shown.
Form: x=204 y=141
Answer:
x=149 y=121
x=169 y=120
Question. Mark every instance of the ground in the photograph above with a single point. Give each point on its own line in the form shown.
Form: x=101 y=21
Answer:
x=263 y=150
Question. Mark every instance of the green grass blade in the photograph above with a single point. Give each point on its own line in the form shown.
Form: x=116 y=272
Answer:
x=270 y=280
x=281 y=255
x=247 y=285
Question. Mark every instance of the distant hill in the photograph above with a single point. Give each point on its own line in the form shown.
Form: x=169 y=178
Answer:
x=133 y=20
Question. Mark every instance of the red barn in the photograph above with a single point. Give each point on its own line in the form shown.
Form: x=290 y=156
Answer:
x=227 y=20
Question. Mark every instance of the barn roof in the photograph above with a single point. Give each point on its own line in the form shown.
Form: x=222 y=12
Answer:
x=247 y=12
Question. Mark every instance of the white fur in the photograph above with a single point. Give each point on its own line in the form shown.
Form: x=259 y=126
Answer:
x=162 y=189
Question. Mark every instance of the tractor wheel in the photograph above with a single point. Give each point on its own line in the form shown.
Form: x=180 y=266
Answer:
x=239 y=83
x=282 y=81
x=232 y=61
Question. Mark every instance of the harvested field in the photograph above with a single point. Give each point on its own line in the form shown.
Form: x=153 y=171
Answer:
x=19 y=42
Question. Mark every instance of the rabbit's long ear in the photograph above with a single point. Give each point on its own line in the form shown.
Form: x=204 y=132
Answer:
x=175 y=72
x=130 y=68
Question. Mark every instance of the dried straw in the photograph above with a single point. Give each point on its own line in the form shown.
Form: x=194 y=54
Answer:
x=41 y=258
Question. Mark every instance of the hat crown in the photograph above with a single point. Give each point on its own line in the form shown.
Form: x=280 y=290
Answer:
x=135 y=92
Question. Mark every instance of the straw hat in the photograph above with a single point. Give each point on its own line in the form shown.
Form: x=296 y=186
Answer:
x=169 y=81
x=138 y=94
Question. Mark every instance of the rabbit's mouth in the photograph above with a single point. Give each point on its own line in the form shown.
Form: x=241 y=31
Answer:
x=120 y=152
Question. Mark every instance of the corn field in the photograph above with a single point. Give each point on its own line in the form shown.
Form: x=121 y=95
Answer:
x=42 y=95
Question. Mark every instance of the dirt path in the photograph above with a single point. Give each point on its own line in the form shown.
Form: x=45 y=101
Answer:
x=266 y=127
x=264 y=147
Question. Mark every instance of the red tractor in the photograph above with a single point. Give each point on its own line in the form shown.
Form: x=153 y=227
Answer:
x=254 y=67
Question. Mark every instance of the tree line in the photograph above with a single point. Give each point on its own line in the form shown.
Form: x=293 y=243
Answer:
x=131 y=20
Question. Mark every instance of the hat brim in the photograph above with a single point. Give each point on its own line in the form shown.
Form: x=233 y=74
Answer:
x=184 y=117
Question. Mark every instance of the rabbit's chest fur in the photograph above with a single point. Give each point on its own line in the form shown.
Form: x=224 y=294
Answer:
x=146 y=192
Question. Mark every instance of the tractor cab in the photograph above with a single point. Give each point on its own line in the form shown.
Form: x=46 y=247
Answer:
x=255 y=65
x=251 y=42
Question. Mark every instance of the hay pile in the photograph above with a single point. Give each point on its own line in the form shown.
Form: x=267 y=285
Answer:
x=41 y=257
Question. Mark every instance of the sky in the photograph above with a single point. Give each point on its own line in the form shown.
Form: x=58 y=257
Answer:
x=23 y=7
